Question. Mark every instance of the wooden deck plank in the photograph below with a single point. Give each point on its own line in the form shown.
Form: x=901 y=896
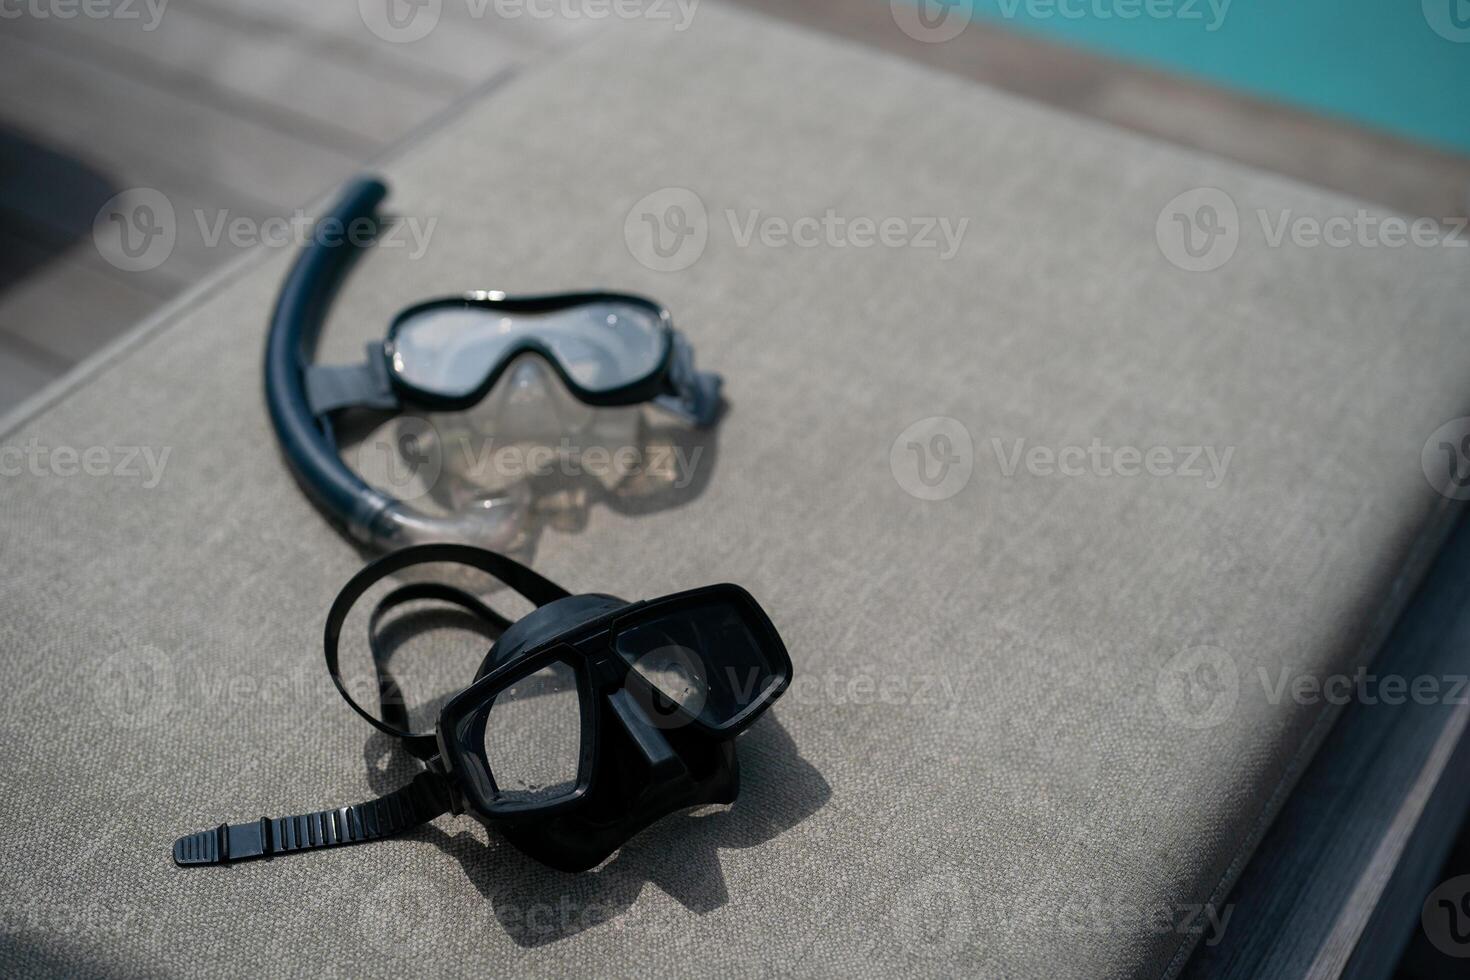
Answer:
x=46 y=193
x=57 y=293
x=146 y=128
x=71 y=302
x=462 y=48
x=263 y=71
x=1419 y=180
x=140 y=134
x=228 y=109
x=225 y=111
x=525 y=30
x=22 y=374
x=29 y=219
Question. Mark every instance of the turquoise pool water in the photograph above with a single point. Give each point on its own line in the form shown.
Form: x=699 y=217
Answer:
x=1397 y=65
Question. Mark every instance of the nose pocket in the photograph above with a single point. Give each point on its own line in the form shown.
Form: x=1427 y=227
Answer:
x=663 y=761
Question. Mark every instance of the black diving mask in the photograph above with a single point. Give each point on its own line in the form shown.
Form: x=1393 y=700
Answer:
x=590 y=718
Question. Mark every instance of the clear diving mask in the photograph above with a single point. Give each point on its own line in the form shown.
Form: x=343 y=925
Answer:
x=447 y=355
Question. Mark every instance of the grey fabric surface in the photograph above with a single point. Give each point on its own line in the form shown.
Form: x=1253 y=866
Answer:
x=985 y=772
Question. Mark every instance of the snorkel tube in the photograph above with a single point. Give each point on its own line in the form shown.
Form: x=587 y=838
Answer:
x=295 y=326
x=306 y=438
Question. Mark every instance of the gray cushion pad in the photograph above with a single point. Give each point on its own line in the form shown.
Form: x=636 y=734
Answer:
x=991 y=768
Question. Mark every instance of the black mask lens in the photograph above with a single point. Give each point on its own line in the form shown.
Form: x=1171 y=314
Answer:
x=709 y=660
x=533 y=736
x=525 y=743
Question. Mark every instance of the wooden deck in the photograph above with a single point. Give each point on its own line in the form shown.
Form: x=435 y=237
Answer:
x=227 y=107
x=253 y=107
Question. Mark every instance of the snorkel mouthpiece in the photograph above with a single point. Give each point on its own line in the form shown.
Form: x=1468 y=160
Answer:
x=589 y=718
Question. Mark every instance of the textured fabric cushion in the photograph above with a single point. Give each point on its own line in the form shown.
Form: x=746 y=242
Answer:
x=993 y=767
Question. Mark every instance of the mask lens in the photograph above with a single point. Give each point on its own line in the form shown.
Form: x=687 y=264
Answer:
x=605 y=345
x=533 y=736
x=452 y=349
x=705 y=659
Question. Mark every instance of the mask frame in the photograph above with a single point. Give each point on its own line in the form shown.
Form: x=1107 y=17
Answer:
x=655 y=385
x=590 y=650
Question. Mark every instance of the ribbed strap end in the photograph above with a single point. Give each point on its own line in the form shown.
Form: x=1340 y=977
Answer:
x=201 y=848
x=417 y=803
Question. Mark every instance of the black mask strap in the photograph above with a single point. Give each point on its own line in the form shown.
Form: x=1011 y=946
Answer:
x=430 y=794
x=393 y=707
x=538 y=590
x=417 y=803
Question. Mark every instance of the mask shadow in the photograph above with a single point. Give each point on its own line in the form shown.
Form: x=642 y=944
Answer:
x=680 y=853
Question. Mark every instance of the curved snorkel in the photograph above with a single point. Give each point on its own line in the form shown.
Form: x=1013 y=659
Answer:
x=305 y=435
x=296 y=324
x=303 y=396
